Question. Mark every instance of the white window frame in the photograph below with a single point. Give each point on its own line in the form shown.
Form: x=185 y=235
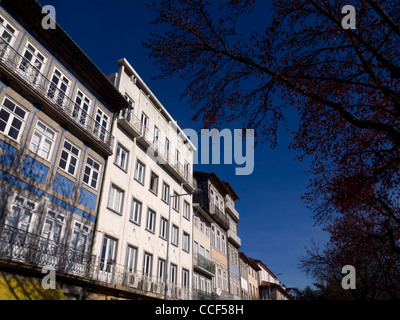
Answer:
x=154 y=176
x=83 y=232
x=25 y=207
x=186 y=210
x=52 y=219
x=163 y=228
x=55 y=88
x=120 y=161
x=70 y=155
x=147 y=264
x=176 y=201
x=175 y=235
x=5 y=26
x=13 y=116
x=140 y=171
x=113 y=197
x=166 y=196
x=136 y=211
x=151 y=220
x=186 y=242
x=131 y=258
x=31 y=71
x=81 y=110
x=44 y=136
x=93 y=172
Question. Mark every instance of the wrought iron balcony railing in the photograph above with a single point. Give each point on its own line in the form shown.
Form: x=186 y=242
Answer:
x=35 y=251
x=202 y=295
x=219 y=215
x=23 y=69
x=112 y=274
x=203 y=263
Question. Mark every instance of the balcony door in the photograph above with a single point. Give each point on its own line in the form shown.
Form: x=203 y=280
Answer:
x=31 y=65
x=19 y=224
x=80 y=112
x=52 y=237
x=7 y=37
x=101 y=125
x=107 y=259
x=59 y=87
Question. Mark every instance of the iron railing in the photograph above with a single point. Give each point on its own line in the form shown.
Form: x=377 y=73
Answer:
x=27 y=248
x=58 y=99
x=159 y=148
x=204 y=263
x=109 y=273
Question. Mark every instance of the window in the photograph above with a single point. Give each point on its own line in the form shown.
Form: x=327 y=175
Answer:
x=186 y=242
x=207 y=230
x=22 y=213
x=195 y=282
x=32 y=64
x=121 y=157
x=175 y=235
x=202 y=226
x=174 y=274
x=101 y=125
x=144 y=120
x=154 y=183
x=202 y=284
x=58 y=88
x=219 y=278
x=131 y=258
x=213 y=235
x=195 y=248
x=80 y=236
x=108 y=254
x=80 y=111
x=136 y=211
x=212 y=198
x=139 y=172
x=175 y=201
x=208 y=286
x=186 y=170
x=12 y=119
x=151 y=220
x=69 y=158
x=131 y=102
x=196 y=222
x=225 y=281
x=161 y=269
x=185 y=278
x=165 y=193
x=147 y=264
x=219 y=240
x=43 y=140
x=54 y=225
x=186 y=210
x=8 y=35
x=92 y=172
x=223 y=244
x=156 y=137
x=163 y=228
x=167 y=148
x=115 y=199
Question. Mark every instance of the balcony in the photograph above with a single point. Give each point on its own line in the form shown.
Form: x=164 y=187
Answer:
x=219 y=216
x=204 y=265
x=155 y=148
x=27 y=249
x=112 y=275
x=234 y=239
x=202 y=295
x=230 y=207
x=40 y=90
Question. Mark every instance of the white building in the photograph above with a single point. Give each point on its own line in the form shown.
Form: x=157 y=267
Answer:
x=153 y=159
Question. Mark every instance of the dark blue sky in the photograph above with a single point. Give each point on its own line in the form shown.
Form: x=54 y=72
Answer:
x=275 y=224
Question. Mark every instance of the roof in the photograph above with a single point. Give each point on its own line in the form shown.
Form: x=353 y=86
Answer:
x=259 y=262
x=29 y=14
x=223 y=187
x=249 y=261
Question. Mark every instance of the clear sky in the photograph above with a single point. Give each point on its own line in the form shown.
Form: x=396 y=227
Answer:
x=275 y=224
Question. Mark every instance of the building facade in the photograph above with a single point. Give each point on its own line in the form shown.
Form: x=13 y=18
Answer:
x=216 y=203
x=56 y=114
x=144 y=234
x=249 y=277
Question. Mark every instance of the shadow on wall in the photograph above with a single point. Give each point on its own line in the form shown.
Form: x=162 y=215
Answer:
x=17 y=287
